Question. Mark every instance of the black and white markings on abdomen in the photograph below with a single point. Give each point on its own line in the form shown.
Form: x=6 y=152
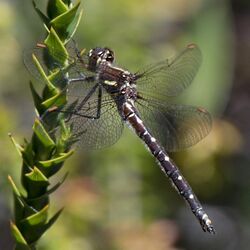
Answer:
x=167 y=166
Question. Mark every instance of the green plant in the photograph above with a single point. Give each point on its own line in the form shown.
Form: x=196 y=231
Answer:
x=44 y=155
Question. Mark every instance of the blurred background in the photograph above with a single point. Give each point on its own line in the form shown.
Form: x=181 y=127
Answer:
x=117 y=198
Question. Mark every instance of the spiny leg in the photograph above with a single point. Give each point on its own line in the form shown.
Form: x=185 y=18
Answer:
x=84 y=101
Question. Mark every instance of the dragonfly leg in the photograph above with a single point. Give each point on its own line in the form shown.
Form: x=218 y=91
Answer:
x=82 y=77
x=77 y=52
x=79 y=107
x=98 y=111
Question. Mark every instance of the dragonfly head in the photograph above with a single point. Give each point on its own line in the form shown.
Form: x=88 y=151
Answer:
x=98 y=55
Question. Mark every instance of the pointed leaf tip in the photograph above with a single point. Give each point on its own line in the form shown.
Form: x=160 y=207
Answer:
x=42 y=134
x=20 y=240
x=18 y=147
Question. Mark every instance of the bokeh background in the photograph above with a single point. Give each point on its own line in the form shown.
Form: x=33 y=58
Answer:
x=117 y=198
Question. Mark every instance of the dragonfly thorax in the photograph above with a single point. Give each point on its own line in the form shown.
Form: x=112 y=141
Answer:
x=128 y=89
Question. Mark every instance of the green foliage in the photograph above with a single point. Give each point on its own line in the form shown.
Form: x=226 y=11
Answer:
x=45 y=154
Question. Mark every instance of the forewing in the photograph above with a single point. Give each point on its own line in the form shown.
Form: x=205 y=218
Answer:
x=172 y=76
x=176 y=127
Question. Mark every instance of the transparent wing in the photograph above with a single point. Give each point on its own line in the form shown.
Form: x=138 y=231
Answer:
x=93 y=117
x=172 y=76
x=96 y=133
x=176 y=127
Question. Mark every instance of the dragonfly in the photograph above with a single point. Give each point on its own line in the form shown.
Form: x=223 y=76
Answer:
x=103 y=97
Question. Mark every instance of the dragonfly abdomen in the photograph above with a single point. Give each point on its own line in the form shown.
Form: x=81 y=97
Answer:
x=167 y=166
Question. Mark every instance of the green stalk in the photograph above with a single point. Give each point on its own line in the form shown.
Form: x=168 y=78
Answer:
x=44 y=155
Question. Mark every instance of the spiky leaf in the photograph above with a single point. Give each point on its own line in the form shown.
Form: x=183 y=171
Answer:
x=42 y=134
x=62 y=22
x=56 y=8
